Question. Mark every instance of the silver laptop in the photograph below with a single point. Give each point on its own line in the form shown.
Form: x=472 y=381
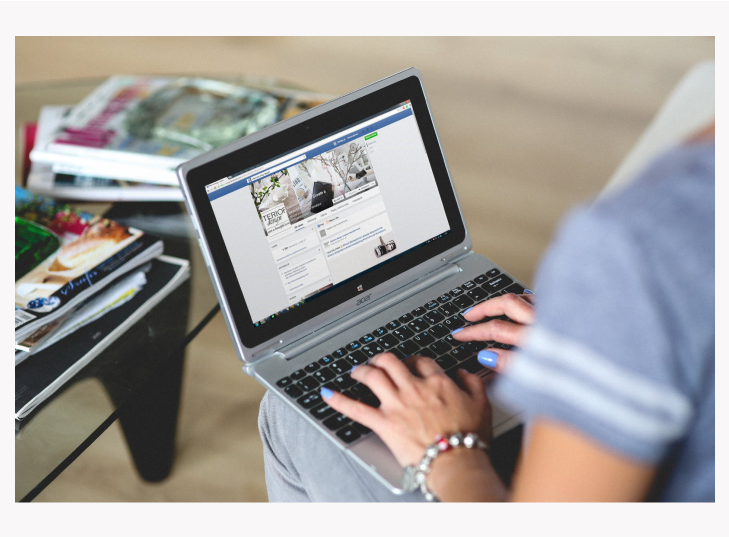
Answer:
x=336 y=235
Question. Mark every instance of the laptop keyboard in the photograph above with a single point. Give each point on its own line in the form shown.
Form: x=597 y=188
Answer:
x=425 y=331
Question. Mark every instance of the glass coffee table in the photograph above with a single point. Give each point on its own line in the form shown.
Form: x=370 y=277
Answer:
x=137 y=380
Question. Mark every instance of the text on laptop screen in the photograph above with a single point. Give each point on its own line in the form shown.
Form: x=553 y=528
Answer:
x=319 y=216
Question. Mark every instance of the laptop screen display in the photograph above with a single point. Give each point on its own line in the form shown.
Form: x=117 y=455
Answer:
x=310 y=220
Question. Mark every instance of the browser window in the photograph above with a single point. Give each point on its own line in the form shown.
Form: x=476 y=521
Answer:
x=319 y=216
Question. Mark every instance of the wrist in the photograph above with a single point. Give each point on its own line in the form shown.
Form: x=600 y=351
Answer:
x=456 y=468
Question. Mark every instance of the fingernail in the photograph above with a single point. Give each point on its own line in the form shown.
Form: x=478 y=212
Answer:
x=352 y=371
x=456 y=331
x=487 y=358
x=469 y=309
x=528 y=292
x=326 y=393
x=408 y=356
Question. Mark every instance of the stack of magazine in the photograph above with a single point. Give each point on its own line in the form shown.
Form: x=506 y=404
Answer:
x=124 y=141
x=73 y=272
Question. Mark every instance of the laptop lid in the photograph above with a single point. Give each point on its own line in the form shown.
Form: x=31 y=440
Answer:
x=317 y=216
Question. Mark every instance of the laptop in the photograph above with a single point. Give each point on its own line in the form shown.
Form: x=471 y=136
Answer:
x=337 y=235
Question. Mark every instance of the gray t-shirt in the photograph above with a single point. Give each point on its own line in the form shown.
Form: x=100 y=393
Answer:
x=623 y=347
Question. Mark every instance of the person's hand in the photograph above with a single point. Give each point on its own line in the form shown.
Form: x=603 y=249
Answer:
x=518 y=308
x=418 y=402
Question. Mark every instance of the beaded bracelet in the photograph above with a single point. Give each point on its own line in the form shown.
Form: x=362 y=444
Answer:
x=414 y=476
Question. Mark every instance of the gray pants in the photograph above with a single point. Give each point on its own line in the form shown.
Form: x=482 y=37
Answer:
x=304 y=466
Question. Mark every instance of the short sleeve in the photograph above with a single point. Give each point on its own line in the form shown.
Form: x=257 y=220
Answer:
x=600 y=357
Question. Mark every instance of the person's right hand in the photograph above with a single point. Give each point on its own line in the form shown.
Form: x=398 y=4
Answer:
x=518 y=308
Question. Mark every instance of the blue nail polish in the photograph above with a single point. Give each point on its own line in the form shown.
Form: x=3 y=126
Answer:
x=487 y=358
x=326 y=393
x=456 y=331
x=352 y=371
x=528 y=292
x=469 y=309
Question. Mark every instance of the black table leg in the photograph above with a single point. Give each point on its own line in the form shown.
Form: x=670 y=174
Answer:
x=149 y=421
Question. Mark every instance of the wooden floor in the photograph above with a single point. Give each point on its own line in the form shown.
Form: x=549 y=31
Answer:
x=530 y=127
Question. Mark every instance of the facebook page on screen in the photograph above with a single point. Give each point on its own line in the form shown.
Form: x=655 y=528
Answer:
x=319 y=216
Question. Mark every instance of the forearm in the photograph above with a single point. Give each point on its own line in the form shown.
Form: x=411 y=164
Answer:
x=465 y=475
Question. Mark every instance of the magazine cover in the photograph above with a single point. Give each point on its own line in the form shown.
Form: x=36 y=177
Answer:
x=63 y=256
x=162 y=122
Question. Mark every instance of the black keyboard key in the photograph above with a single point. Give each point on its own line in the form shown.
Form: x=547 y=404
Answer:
x=423 y=339
x=357 y=357
x=339 y=353
x=445 y=362
x=403 y=333
x=336 y=421
x=313 y=366
x=309 y=400
x=360 y=390
x=322 y=411
x=389 y=341
x=498 y=283
x=463 y=302
x=307 y=384
x=361 y=428
x=341 y=366
x=439 y=347
x=369 y=338
x=427 y=352
x=456 y=292
x=324 y=375
x=392 y=325
x=372 y=350
x=348 y=434
x=353 y=346
x=298 y=374
x=451 y=323
x=476 y=346
x=398 y=353
x=515 y=288
x=293 y=391
x=284 y=382
x=371 y=400
x=381 y=331
x=433 y=317
x=452 y=342
x=493 y=273
x=350 y=394
x=445 y=297
x=468 y=286
x=461 y=353
x=418 y=325
x=418 y=312
x=438 y=330
x=409 y=347
x=406 y=318
x=448 y=309
x=471 y=365
x=344 y=382
x=477 y=295
x=326 y=360
x=480 y=279
x=431 y=305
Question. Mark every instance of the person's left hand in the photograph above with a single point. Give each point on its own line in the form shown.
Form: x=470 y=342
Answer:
x=418 y=402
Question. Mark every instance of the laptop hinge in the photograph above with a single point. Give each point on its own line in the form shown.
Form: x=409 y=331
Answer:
x=344 y=323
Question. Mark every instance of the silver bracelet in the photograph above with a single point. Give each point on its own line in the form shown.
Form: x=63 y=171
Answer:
x=415 y=475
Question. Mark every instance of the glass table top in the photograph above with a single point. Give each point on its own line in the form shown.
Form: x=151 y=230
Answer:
x=61 y=428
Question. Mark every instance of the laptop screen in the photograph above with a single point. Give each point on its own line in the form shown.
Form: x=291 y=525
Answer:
x=301 y=224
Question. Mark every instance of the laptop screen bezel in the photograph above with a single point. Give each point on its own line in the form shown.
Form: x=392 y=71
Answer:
x=290 y=139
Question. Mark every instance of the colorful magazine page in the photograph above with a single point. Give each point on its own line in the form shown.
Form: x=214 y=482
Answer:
x=159 y=122
x=63 y=256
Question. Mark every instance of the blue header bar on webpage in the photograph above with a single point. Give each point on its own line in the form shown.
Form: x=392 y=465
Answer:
x=245 y=181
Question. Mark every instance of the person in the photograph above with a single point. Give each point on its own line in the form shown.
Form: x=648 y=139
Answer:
x=614 y=368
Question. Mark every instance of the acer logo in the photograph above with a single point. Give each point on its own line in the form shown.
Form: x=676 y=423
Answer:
x=364 y=299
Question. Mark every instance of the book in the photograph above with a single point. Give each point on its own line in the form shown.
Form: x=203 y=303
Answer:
x=142 y=128
x=41 y=375
x=116 y=294
x=63 y=256
x=81 y=183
